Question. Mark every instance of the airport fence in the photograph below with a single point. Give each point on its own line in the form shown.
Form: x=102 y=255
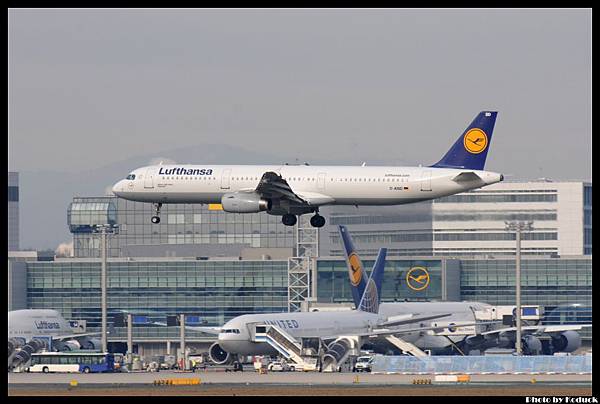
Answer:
x=493 y=364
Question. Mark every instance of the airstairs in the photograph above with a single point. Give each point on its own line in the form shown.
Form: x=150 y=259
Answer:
x=285 y=344
x=406 y=347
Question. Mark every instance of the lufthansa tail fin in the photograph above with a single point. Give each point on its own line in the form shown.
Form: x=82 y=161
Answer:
x=470 y=150
x=372 y=294
x=358 y=280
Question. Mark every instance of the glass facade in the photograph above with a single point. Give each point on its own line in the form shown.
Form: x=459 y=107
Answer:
x=333 y=285
x=468 y=197
x=587 y=220
x=186 y=230
x=548 y=282
x=215 y=291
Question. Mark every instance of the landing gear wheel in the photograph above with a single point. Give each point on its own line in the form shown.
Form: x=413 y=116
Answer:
x=288 y=219
x=317 y=221
x=156 y=219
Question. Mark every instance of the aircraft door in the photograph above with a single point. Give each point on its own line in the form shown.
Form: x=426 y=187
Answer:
x=149 y=178
x=321 y=181
x=426 y=180
x=225 y=179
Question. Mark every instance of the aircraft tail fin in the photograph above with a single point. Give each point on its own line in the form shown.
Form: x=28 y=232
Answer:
x=355 y=266
x=470 y=150
x=372 y=294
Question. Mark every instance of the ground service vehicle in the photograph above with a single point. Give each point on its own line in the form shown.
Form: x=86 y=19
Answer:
x=278 y=366
x=363 y=364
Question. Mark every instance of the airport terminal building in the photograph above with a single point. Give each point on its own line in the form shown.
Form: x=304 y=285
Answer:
x=213 y=266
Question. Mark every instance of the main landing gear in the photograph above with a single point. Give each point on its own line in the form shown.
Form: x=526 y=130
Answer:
x=316 y=221
x=288 y=219
x=156 y=219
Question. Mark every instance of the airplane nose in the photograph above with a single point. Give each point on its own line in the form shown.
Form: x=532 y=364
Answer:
x=118 y=188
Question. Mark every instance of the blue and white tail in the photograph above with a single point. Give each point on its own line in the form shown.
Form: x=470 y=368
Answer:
x=470 y=150
x=365 y=293
x=372 y=294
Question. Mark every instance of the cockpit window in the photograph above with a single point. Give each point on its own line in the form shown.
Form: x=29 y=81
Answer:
x=231 y=331
x=131 y=177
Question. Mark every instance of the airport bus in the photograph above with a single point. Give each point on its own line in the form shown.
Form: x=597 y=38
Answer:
x=72 y=362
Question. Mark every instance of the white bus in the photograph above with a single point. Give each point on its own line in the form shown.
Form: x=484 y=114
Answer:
x=71 y=362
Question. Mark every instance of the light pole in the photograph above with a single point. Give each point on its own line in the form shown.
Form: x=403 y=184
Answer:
x=518 y=227
x=103 y=229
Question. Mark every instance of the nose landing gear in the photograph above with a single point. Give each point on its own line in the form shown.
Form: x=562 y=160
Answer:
x=156 y=219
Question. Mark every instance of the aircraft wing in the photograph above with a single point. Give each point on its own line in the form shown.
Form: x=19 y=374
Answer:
x=438 y=328
x=272 y=185
x=207 y=330
x=540 y=329
x=414 y=319
x=74 y=336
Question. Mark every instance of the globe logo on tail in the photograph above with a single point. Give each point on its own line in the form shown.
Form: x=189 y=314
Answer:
x=475 y=141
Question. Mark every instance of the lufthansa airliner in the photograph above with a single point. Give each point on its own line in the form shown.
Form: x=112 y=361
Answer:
x=291 y=190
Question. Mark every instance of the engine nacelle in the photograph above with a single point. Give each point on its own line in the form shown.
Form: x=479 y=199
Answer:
x=25 y=353
x=69 y=345
x=531 y=345
x=91 y=343
x=218 y=355
x=244 y=202
x=568 y=341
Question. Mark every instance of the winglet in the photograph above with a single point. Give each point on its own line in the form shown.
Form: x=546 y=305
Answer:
x=372 y=294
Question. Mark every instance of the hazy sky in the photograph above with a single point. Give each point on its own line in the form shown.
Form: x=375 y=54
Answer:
x=90 y=87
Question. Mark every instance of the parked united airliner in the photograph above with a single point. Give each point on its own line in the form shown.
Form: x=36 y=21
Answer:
x=295 y=190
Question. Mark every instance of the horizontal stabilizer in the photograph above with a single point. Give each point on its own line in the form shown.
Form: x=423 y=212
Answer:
x=467 y=176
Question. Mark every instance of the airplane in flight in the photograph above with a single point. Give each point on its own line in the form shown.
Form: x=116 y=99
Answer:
x=34 y=329
x=291 y=190
x=562 y=337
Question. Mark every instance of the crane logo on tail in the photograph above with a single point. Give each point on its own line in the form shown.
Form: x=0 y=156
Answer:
x=475 y=141
x=355 y=269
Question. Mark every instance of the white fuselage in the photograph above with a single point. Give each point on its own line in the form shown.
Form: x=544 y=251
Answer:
x=28 y=324
x=297 y=324
x=319 y=185
x=327 y=325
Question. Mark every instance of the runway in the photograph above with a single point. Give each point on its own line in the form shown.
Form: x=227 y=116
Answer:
x=293 y=383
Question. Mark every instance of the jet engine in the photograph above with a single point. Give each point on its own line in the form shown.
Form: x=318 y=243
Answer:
x=218 y=355
x=567 y=341
x=337 y=352
x=25 y=353
x=244 y=202
x=531 y=345
x=91 y=343
x=69 y=345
